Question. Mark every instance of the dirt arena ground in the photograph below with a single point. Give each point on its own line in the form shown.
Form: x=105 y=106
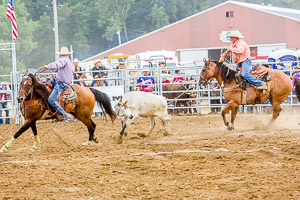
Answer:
x=199 y=161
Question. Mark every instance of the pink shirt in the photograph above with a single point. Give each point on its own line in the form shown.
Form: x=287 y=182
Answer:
x=240 y=50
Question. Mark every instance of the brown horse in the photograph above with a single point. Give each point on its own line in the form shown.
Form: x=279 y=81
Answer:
x=33 y=97
x=279 y=88
x=184 y=92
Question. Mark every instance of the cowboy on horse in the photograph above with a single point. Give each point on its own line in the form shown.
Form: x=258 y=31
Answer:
x=241 y=52
x=65 y=69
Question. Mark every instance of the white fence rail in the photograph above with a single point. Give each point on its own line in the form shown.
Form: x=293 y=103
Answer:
x=122 y=81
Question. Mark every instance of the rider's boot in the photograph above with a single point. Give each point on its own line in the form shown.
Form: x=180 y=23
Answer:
x=59 y=117
x=263 y=86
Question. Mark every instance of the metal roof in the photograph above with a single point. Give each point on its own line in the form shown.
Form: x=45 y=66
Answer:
x=282 y=12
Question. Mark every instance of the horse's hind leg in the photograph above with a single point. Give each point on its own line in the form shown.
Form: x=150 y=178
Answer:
x=27 y=124
x=36 y=137
x=91 y=128
x=276 y=111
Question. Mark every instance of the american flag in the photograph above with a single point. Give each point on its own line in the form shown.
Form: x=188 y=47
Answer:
x=10 y=13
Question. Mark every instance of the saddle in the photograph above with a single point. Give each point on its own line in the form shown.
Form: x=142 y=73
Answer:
x=68 y=96
x=259 y=71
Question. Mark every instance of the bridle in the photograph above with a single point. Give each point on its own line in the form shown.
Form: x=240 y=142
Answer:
x=30 y=91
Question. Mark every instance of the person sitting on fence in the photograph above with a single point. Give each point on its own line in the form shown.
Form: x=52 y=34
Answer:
x=66 y=69
x=145 y=81
x=121 y=64
x=98 y=73
x=78 y=73
x=3 y=104
x=178 y=79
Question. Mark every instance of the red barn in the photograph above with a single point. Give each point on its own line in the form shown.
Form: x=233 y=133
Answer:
x=264 y=27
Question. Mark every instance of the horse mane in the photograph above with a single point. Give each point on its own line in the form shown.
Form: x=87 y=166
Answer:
x=227 y=74
x=40 y=89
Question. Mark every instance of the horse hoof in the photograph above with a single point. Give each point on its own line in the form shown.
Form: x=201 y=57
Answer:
x=3 y=149
x=33 y=148
x=95 y=139
x=230 y=127
x=119 y=139
x=86 y=143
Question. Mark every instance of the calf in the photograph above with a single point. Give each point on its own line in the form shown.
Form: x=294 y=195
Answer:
x=143 y=104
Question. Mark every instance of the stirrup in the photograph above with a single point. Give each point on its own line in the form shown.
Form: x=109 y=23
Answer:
x=262 y=87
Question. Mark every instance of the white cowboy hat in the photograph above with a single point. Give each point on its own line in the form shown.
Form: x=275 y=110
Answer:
x=234 y=34
x=75 y=60
x=96 y=61
x=64 y=51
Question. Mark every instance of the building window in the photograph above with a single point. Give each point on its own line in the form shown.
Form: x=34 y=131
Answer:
x=229 y=14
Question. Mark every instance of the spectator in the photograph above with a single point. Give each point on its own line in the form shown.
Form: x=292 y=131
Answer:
x=145 y=81
x=178 y=79
x=3 y=104
x=97 y=72
x=282 y=67
x=163 y=65
x=190 y=79
x=121 y=64
x=78 y=73
x=133 y=80
x=215 y=93
x=164 y=79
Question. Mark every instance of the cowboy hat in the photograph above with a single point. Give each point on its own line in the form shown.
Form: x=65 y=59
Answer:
x=75 y=60
x=97 y=61
x=64 y=51
x=234 y=34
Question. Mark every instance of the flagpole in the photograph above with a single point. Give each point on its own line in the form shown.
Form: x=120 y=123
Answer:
x=14 y=76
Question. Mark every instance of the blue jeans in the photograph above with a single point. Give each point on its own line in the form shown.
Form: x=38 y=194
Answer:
x=58 y=88
x=246 y=66
x=4 y=106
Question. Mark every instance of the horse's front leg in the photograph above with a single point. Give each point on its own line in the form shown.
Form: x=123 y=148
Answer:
x=231 y=105
x=36 y=138
x=27 y=124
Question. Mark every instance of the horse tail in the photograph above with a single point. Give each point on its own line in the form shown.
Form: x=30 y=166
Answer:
x=104 y=103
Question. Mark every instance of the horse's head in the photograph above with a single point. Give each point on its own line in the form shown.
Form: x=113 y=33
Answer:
x=26 y=87
x=208 y=71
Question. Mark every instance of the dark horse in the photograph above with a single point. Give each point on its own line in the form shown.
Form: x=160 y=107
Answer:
x=184 y=92
x=279 y=88
x=33 y=97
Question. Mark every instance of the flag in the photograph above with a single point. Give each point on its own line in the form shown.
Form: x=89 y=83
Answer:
x=10 y=13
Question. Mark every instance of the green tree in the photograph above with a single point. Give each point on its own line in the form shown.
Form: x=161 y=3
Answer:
x=24 y=43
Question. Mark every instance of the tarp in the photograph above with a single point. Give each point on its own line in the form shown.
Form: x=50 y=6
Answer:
x=283 y=55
